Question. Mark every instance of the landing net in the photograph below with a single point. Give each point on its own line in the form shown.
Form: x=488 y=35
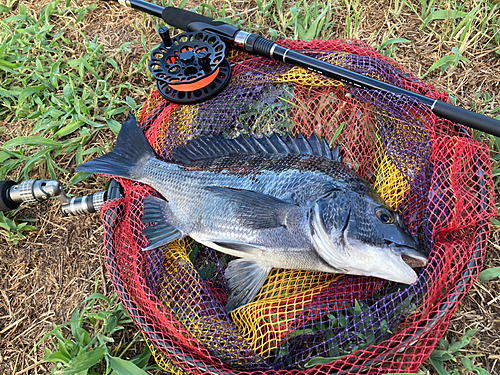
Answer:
x=427 y=168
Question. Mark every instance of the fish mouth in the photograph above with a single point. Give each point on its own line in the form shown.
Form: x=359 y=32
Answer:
x=410 y=256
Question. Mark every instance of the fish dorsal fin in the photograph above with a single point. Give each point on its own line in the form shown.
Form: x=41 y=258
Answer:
x=315 y=144
x=214 y=146
x=304 y=146
x=278 y=143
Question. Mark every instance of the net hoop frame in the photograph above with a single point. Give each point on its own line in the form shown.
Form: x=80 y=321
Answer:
x=180 y=361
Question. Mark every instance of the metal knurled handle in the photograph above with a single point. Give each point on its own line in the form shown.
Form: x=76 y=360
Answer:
x=26 y=191
x=98 y=200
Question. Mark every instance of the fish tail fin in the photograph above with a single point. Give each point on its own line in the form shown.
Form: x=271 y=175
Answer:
x=129 y=156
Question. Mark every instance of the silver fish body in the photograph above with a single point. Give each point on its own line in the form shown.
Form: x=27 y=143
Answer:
x=273 y=203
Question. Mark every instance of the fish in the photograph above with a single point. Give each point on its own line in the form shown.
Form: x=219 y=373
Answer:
x=271 y=202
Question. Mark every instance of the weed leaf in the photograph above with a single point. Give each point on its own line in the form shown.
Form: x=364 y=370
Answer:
x=97 y=296
x=68 y=129
x=56 y=357
x=320 y=361
x=393 y=41
x=85 y=361
x=443 y=15
x=439 y=366
x=123 y=367
x=357 y=307
x=30 y=141
x=142 y=359
x=27 y=92
x=8 y=66
x=489 y=274
x=481 y=371
x=80 y=176
x=114 y=125
x=467 y=363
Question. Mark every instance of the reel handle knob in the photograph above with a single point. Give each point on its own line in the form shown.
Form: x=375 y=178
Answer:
x=165 y=36
x=204 y=60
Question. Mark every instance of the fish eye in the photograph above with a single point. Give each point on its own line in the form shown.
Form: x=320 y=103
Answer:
x=385 y=216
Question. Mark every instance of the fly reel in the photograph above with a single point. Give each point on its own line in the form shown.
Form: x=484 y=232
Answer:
x=190 y=67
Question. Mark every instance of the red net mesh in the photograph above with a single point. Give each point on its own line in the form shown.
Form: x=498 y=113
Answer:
x=429 y=169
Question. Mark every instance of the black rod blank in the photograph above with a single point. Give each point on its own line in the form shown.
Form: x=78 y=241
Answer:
x=255 y=44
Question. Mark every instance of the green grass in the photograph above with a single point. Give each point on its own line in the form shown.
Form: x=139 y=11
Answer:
x=57 y=88
x=468 y=24
x=12 y=230
x=60 y=89
x=90 y=343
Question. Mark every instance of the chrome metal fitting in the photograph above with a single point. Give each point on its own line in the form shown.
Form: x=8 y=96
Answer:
x=35 y=190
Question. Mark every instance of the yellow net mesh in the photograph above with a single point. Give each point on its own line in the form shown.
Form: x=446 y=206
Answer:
x=194 y=317
x=390 y=183
x=289 y=292
x=163 y=362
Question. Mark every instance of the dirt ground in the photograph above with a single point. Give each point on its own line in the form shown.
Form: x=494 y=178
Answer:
x=45 y=277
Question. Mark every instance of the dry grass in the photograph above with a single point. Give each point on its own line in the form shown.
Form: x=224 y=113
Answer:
x=480 y=310
x=45 y=277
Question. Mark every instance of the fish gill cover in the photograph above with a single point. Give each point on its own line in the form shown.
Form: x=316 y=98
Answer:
x=426 y=168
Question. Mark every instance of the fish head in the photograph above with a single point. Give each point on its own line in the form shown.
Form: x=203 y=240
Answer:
x=357 y=233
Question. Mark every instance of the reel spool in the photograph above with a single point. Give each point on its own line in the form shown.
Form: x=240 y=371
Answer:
x=190 y=67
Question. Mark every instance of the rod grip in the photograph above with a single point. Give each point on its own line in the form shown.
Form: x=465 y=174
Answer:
x=463 y=116
x=181 y=18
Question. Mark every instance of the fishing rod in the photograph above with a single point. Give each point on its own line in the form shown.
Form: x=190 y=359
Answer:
x=192 y=68
x=257 y=45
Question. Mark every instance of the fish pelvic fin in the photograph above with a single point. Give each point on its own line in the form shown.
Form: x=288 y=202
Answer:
x=244 y=279
x=156 y=211
x=129 y=156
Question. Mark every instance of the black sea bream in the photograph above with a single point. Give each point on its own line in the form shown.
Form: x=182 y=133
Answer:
x=272 y=202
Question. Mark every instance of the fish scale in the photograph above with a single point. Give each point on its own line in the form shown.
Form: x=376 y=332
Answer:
x=274 y=203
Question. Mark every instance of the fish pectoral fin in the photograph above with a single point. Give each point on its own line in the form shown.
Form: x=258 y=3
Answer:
x=255 y=210
x=244 y=279
x=156 y=211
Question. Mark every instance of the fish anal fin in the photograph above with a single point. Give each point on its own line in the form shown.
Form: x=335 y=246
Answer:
x=244 y=279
